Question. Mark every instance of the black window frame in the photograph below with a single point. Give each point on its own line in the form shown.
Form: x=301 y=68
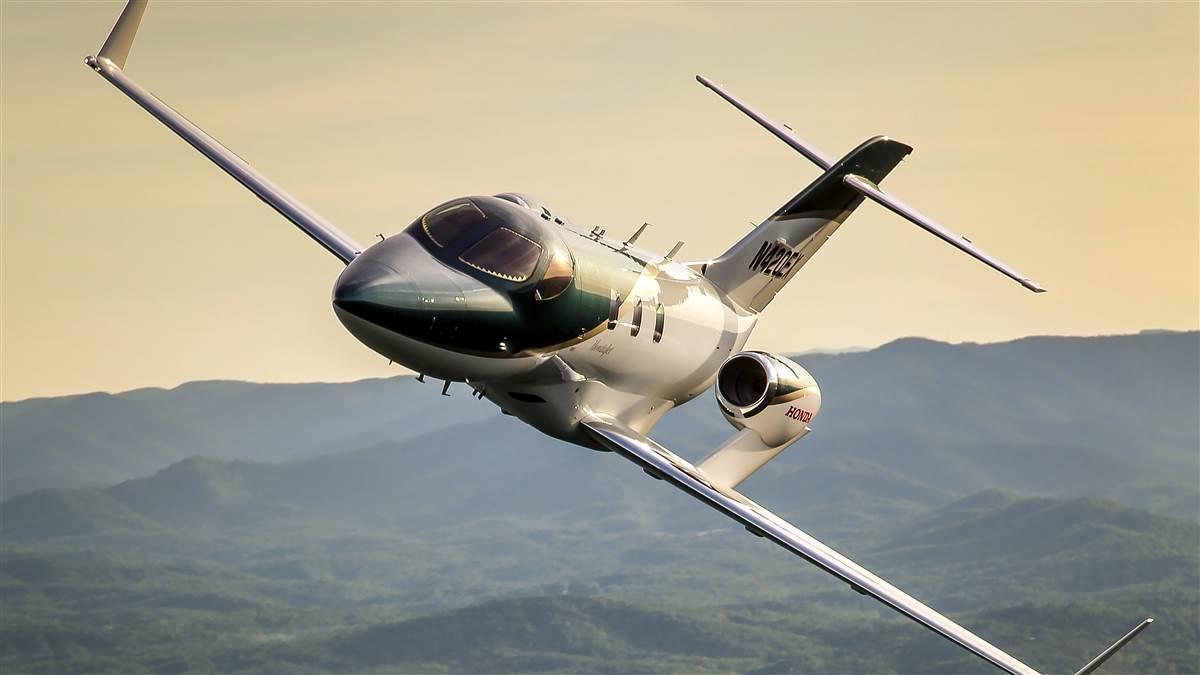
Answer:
x=497 y=273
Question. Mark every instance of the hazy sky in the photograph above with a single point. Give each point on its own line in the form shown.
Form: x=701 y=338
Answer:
x=1061 y=137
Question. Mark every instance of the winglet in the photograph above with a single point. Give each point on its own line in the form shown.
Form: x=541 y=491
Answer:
x=116 y=47
x=1104 y=655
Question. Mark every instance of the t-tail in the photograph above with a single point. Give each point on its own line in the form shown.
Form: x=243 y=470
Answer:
x=754 y=269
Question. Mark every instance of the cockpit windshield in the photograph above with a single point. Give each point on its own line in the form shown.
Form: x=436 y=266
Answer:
x=451 y=221
x=505 y=254
x=502 y=237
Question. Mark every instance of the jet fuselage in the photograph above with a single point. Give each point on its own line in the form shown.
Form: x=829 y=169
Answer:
x=534 y=313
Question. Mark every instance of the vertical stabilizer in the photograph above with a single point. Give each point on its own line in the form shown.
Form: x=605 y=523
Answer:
x=753 y=270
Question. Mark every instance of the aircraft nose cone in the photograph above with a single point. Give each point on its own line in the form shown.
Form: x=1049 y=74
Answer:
x=399 y=287
x=369 y=286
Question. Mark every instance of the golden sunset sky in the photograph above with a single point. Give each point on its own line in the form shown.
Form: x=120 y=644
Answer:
x=1061 y=137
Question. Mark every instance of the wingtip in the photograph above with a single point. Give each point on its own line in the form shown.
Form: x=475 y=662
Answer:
x=1107 y=653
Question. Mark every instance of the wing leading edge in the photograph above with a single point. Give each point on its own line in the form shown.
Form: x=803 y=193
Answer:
x=662 y=463
x=109 y=64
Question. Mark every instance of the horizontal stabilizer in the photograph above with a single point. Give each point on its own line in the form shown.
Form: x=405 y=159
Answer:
x=872 y=191
x=868 y=187
x=781 y=131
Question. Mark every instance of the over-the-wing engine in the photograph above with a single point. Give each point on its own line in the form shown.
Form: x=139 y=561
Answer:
x=771 y=400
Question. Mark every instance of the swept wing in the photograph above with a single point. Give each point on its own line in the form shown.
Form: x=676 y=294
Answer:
x=109 y=63
x=666 y=465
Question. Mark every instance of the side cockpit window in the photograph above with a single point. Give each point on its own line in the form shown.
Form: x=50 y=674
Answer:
x=447 y=223
x=557 y=278
x=505 y=254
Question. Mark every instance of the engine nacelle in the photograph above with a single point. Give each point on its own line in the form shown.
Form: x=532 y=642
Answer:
x=770 y=394
x=770 y=400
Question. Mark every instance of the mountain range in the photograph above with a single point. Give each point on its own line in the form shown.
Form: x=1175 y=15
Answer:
x=949 y=419
x=1043 y=491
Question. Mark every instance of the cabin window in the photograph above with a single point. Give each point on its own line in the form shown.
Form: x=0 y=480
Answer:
x=504 y=254
x=447 y=223
x=636 y=325
x=614 y=310
x=660 y=317
x=557 y=278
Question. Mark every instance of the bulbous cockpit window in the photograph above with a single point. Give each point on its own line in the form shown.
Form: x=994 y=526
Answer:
x=448 y=222
x=501 y=237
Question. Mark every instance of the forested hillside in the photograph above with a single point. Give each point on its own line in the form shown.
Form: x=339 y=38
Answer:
x=1043 y=492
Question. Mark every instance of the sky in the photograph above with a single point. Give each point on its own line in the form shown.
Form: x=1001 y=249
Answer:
x=1061 y=137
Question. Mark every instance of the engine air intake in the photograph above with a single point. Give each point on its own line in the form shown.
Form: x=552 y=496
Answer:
x=768 y=393
x=745 y=381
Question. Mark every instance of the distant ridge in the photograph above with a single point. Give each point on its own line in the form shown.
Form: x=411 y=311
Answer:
x=946 y=419
x=816 y=351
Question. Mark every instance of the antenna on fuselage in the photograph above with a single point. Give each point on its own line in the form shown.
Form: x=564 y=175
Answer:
x=629 y=241
x=446 y=388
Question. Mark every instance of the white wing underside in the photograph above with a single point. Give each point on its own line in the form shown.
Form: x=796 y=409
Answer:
x=663 y=463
